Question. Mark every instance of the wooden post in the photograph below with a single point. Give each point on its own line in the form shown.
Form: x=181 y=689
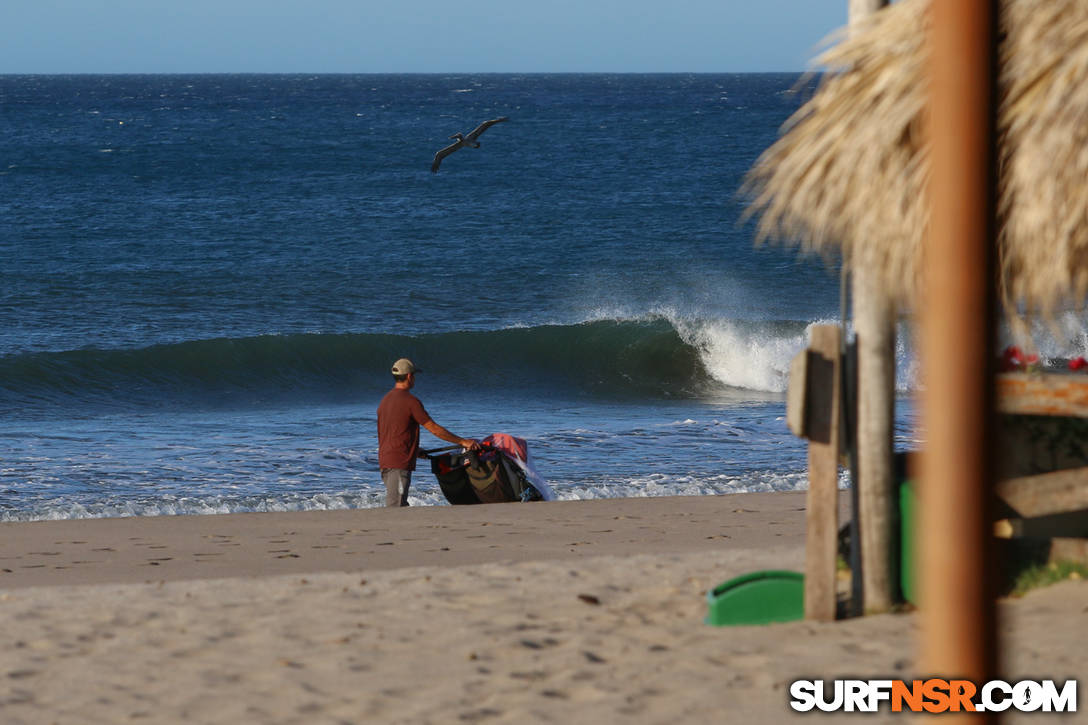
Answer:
x=959 y=637
x=1043 y=394
x=1043 y=494
x=822 y=411
x=874 y=325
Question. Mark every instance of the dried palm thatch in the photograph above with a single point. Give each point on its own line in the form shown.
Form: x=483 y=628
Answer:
x=850 y=169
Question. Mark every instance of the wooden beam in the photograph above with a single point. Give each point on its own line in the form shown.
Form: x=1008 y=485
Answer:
x=1047 y=493
x=1068 y=549
x=957 y=587
x=1046 y=394
x=822 y=502
x=874 y=321
x=874 y=424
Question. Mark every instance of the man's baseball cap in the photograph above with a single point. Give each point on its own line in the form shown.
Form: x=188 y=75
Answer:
x=404 y=366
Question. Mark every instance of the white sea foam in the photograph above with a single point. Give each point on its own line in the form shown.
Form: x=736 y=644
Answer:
x=659 y=484
x=756 y=355
x=426 y=493
x=742 y=356
x=182 y=505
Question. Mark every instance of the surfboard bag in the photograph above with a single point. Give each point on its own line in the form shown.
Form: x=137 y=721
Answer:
x=486 y=476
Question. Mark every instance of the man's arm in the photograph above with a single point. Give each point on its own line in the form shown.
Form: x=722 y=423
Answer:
x=440 y=432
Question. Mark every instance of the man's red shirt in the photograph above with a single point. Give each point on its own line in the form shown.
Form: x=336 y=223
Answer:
x=399 y=416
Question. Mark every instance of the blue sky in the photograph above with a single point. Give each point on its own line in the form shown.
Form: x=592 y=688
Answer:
x=379 y=36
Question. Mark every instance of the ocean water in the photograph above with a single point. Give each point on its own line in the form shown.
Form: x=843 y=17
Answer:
x=206 y=279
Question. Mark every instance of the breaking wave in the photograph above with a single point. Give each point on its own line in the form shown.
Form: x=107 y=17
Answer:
x=652 y=357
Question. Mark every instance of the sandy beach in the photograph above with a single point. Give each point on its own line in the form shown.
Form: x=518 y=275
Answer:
x=574 y=612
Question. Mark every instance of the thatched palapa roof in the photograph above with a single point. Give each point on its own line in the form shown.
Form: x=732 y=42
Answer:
x=850 y=170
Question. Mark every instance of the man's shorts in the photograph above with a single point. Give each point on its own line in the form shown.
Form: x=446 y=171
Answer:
x=397 y=481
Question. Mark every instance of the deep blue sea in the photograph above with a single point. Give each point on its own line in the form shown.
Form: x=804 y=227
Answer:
x=206 y=279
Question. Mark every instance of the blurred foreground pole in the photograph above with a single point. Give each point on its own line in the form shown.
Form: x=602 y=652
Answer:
x=957 y=346
x=874 y=325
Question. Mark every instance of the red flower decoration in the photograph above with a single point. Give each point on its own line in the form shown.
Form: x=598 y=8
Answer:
x=1011 y=359
x=1014 y=359
x=1078 y=363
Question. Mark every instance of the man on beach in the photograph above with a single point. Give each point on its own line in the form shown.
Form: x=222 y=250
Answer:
x=399 y=416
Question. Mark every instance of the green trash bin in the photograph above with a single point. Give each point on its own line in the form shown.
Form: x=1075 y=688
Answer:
x=908 y=511
x=764 y=597
x=761 y=597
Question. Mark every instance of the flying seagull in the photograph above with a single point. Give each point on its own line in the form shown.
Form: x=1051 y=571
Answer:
x=462 y=141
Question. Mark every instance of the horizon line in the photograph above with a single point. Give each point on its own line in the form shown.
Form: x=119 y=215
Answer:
x=404 y=73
